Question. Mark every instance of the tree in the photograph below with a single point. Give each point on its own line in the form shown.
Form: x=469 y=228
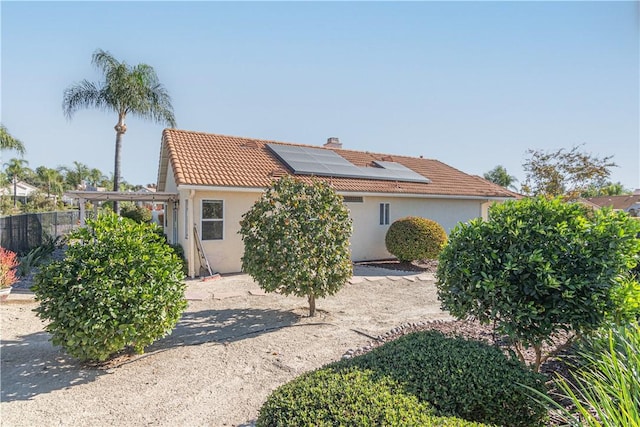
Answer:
x=125 y=90
x=8 y=142
x=606 y=188
x=296 y=240
x=76 y=176
x=563 y=173
x=500 y=176
x=539 y=266
x=15 y=170
x=50 y=180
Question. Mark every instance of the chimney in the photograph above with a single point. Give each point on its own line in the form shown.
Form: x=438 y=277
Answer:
x=333 y=142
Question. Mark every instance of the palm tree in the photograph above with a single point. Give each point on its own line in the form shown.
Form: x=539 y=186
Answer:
x=500 y=176
x=7 y=142
x=125 y=90
x=16 y=169
x=49 y=179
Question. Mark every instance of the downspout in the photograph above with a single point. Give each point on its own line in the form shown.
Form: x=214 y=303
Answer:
x=189 y=233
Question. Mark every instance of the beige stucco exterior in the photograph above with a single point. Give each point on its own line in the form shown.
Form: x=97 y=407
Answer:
x=367 y=242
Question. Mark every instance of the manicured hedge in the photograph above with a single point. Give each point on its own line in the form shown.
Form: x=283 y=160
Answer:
x=458 y=377
x=414 y=238
x=347 y=397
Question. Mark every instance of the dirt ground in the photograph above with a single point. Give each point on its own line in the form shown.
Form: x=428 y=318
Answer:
x=233 y=346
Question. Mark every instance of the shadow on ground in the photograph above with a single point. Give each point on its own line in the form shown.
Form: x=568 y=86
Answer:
x=224 y=326
x=31 y=365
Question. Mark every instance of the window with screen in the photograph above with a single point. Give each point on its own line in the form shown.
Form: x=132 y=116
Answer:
x=384 y=213
x=212 y=219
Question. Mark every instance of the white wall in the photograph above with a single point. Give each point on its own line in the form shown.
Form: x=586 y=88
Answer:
x=367 y=242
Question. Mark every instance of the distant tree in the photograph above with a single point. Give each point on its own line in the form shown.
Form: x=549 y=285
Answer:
x=125 y=90
x=96 y=177
x=500 y=176
x=49 y=180
x=77 y=175
x=15 y=170
x=296 y=240
x=8 y=142
x=563 y=173
x=607 y=188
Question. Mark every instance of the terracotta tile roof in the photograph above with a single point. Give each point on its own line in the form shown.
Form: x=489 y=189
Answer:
x=204 y=159
x=616 y=202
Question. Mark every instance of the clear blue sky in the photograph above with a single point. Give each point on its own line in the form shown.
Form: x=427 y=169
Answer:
x=473 y=84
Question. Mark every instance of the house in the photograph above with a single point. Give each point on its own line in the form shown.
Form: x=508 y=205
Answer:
x=23 y=190
x=217 y=178
x=629 y=203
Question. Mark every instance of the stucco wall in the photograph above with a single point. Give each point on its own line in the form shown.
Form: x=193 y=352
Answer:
x=367 y=242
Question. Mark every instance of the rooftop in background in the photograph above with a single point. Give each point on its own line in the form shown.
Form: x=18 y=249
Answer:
x=203 y=159
x=624 y=202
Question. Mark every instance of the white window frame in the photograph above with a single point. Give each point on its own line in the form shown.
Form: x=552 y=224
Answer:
x=384 y=213
x=203 y=220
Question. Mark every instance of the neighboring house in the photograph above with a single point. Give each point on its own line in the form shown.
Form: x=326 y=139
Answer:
x=23 y=190
x=629 y=203
x=218 y=178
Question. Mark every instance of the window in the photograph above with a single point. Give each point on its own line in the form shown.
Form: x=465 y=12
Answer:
x=212 y=219
x=384 y=213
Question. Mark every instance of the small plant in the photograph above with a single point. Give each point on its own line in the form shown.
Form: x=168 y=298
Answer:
x=605 y=390
x=458 y=377
x=347 y=397
x=296 y=240
x=538 y=267
x=119 y=286
x=8 y=264
x=414 y=238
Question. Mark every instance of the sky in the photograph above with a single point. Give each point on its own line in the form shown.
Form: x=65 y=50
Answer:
x=472 y=84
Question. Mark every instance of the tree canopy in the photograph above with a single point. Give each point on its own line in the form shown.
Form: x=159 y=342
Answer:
x=500 y=176
x=8 y=142
x=562 y=172
x=296 y=240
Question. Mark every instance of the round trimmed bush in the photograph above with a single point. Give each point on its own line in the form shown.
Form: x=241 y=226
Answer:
x=414 y=238
x=458 y=377
x=120 y=285
x=345 y=397
x=137 y=213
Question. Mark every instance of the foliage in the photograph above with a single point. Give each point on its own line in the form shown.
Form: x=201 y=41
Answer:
x=8 y=142
x=414 y=238
x=458 y=377
x=537 y=267
x=137 y=213
x=8 y=264
x=563 y=173
x=118 y=286
x=605 y=188
x=500 y=176
x=296 y=239
x=605 y=390
x=328 y=397
x=39 y=254
x=179 y=250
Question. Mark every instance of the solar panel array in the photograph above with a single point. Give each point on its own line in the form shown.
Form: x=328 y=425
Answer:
x=322 y=162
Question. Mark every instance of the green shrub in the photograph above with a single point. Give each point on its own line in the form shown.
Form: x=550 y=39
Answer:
x=137 y=213
x=414 y=238
x=118 y=286
x=296 y=240
x=347 y=397
x=537 y=267
x=458 y=377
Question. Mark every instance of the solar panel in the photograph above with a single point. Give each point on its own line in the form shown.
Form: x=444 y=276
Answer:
x=322 y=162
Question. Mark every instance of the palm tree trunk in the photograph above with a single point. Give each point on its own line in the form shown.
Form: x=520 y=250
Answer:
x=15 y=184
x=120 y=128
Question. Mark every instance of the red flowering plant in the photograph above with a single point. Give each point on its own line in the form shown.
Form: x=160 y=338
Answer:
x=8 y=264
